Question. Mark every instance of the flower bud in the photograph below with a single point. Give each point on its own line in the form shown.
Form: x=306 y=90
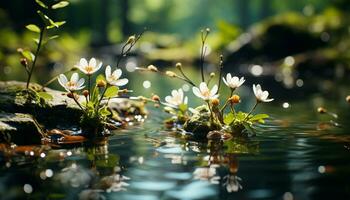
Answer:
x=70 y=95
x=235 y=99
x=212 y=74
x=155 y=98
x=101 y=83
x=178 y=65
x=348 y=98
x=170 y=73
x=86 y=93
x=124 y=91
x=24 y=62
x=321 y=110
x=207 y=30
x=152 y=68
x=131 y=39
x=215 y=102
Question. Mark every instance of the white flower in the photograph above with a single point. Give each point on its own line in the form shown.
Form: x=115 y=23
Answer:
x=233 y=82
x=177 y=98
x=204 y=92
x=88 y=68
x=113 y=78
x=74 y=84
x=260 y=94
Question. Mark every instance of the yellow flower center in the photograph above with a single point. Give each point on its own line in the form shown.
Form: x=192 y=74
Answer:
x=89 y=69
x=206 y=93
x=71 y=84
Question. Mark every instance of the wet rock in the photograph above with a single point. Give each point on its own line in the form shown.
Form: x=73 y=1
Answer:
x=20 y=119
x=200 y=124
x=19 y=128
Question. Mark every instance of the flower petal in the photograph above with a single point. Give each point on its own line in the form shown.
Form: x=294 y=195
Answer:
x=223 y=79
x=80 y=82
x=62 y=79
x=117 y=73
x=108 y=72
x=121 y=82
x=92 y=62
x=197 y=92
x=214 y=90
x=203 y=87
x=186 y=100
x=74 y=78
x=83 y=62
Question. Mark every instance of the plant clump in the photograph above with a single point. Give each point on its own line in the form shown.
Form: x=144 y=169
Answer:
x=214 y=114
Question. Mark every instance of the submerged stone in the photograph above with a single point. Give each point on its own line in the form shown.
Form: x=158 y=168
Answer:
x=200 y=124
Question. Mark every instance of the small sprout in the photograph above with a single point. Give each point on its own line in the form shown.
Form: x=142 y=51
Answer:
x=152 y=68
x=212 y=75
x=170 y=74
x=321 y=110
x=86 y=93
x=131 y=39
x=101 y=84
x=178 y=65
x=155 y=98
x=24 y=62
x=235 y=99
x=215 y=102
x=348 y=98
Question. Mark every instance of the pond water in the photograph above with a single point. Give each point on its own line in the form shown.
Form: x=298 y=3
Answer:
x=297 y=156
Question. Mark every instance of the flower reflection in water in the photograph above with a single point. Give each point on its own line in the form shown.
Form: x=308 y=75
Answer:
x=75 y=176
x=232 y=183
x=207 y=174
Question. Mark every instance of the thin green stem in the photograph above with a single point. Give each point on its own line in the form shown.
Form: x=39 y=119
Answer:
x=224 y=106
x=250 y=112
x=89 y=86
x=103 y=93
x=220 y=72
x=42 y=30
x=184 y=76
x=76 y=101
x=211 y=112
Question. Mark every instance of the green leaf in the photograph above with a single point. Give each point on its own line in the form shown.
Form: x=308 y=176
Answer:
x=259 y=118
x=104 y=111
x=241 y=116
x=28 y=55
x=33 y=27
x=111 y=92
x=94 y=96
x=52 y=37
x=249 y=128
x=228 y=119
x=36 y=40
x=46 y=19
x=183 y=107
x=61 y=4
x=40 y=3
x=100 y=78
x=46 y=96
x=55 y=24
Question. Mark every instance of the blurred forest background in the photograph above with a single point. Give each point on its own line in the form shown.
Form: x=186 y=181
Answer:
x=289 y=40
